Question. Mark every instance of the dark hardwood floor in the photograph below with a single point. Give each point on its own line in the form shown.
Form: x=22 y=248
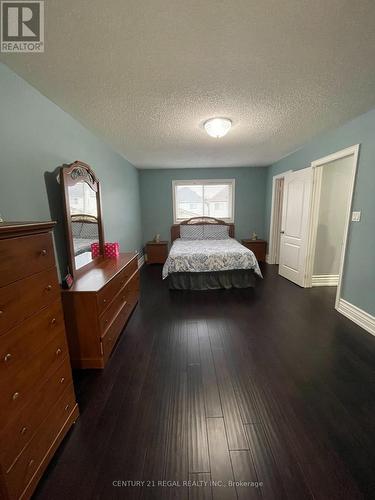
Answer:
x=267 y=386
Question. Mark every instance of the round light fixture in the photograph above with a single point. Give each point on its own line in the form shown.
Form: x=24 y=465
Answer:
x=217 y=127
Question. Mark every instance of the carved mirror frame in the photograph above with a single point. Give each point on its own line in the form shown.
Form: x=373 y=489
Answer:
x=69 y=176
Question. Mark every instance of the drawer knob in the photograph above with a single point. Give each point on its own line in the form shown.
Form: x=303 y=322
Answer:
x=62 y=380
x=1 y=312
x=105 y=321
x=44 y=252
x=67 y=407
x=15 y=396
x=53 y=321
x=7 y=357
x=23 y=430
x=104 y=301
x=49 y=288
x=31 y=463
x=58 y=352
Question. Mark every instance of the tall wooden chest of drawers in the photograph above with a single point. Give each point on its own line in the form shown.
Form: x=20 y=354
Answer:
x=97 y=308
x=37 y=401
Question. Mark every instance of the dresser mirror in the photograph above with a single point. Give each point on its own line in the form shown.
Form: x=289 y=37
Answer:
x=83 y=220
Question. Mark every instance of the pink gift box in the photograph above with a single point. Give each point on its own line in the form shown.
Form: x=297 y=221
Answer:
x=95 y=251
x=111 y=249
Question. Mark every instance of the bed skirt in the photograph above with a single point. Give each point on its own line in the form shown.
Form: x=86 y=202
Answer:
x=212 y=280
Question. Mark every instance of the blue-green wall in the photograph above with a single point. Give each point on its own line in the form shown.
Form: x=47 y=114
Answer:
x=156 y=198
x=359 y=271
x=37 y=137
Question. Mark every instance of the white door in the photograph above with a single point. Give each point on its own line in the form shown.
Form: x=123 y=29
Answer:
x=294 y=226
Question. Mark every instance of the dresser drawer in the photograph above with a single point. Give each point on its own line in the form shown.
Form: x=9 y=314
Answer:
x=128 y=294
x=27 y=464
x=23 y=298
x=113 y=309
x=18 y=432
x=16 y=391
x=133 y=288
x=112 y=288
x=131 y=268
x=24 y=256
x=20 y=346
x=112 y=334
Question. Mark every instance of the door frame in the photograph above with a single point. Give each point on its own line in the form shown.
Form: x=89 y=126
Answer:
x=314 y=212
x=273 y=236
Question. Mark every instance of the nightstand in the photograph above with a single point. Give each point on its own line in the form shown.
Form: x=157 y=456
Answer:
x=258 y=247
x=157 y=252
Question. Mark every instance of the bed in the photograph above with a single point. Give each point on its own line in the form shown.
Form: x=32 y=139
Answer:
x=205 y=256
x=85 y=232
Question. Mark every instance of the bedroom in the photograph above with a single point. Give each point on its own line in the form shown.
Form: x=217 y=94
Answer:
x=119 y=386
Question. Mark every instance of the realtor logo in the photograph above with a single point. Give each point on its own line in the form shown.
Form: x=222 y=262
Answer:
x=22 y=26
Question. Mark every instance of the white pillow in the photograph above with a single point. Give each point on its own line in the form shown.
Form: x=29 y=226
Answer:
x=216 y=232
x=191 y=232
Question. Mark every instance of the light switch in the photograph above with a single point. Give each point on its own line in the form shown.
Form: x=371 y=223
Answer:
x=356 y=216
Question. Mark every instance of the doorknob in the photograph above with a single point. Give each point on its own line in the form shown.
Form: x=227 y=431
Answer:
x=282 y=232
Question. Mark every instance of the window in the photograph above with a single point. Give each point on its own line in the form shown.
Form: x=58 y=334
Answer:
x=209 y=198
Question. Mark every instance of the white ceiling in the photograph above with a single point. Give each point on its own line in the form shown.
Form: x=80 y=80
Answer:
x=145 y=74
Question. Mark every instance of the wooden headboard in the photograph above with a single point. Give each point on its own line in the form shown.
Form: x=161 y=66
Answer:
x=175 y=229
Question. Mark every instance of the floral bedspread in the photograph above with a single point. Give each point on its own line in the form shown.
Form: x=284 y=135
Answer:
x=209 y=255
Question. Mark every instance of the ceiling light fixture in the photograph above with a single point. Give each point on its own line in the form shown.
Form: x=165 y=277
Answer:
x=217 y=127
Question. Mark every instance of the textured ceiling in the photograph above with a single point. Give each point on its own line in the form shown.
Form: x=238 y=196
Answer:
x=145 y=74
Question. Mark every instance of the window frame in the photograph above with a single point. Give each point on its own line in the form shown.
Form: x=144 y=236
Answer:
x=231 y=182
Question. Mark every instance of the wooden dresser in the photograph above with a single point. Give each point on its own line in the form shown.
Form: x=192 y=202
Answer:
x=37 y=401
x=97 y=308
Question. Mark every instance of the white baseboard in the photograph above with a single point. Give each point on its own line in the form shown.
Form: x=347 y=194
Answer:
x=141 y=261
x=325 y=280
x=357 y=315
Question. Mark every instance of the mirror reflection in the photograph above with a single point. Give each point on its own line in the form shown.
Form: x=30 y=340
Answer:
x=84 y=221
